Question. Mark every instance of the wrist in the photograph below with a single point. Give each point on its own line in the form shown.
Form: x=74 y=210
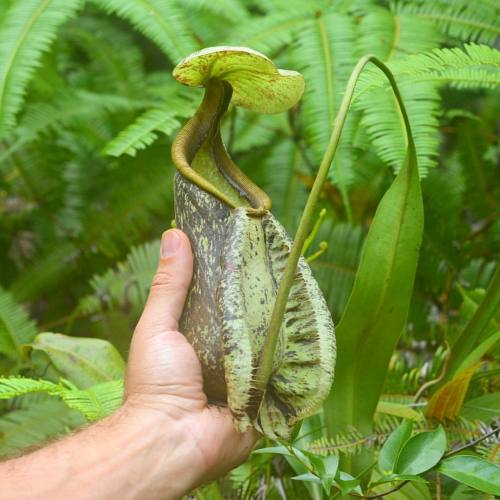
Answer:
x=159 y=455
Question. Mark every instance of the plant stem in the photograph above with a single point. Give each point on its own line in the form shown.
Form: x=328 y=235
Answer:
x=264 y=369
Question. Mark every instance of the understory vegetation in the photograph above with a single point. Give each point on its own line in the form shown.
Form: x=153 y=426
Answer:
x=88 y=112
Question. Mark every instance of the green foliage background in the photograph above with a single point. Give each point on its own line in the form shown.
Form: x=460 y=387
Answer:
x=88 y=109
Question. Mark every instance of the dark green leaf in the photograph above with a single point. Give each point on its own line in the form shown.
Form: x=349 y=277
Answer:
x=474 y=472
x=422 y=452
x=392 y=447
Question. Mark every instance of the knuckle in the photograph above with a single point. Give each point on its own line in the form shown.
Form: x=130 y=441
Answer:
x=163 y=278
x=169 y=281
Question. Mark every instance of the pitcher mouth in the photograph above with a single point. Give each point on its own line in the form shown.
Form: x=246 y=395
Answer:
x=200 y=156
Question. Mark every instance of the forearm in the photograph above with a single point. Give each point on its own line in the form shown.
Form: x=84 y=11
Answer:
x=131 y=454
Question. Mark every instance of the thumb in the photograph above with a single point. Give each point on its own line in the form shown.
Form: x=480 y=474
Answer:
x=170 y=284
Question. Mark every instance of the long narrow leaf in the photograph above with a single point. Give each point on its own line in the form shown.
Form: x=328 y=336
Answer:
x=378 y=306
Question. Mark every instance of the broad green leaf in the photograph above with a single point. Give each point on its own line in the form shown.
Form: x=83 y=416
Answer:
x=83 y=361
x=474 y=472
x=393 y=445
x=448 y=400
x=378 y=306
x=422 y=452
x=483 y=408
x=398 y=410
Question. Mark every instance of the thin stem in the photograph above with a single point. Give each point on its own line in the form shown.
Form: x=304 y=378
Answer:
x=266 y=361
x=440 y=377
x=471 y=443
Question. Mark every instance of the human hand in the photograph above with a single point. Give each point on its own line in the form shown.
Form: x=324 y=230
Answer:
x=165 y=440
x=164 y=380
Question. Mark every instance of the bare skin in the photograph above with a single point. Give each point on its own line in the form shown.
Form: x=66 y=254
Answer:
x=165 y=440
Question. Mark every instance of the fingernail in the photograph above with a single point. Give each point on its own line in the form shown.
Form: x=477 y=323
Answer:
x=170 y=242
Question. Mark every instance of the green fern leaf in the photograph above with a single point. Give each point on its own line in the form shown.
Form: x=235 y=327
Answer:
x=16 y=327
x=144 y=131
x=477 y=21
x=28 y=30
x=160 y=20
x=70 y=110
x=93 y=403
x=97 y=401
x=34 y=424
x=480 y=65
x=325 y=55
x=231 y=10
x=390 y=35
x=271 y=32
x=128 y=284
x=12 y=387
x=419 y=77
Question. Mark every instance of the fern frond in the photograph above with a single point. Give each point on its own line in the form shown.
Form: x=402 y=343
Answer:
x=418 y=76
x=325 y=55
x=13 y=387
x=93 y=403
x=68 y=111
x=35 y=424
x=479 y=64
x=269 y=33
x=160 y=20
x=253 y=131
x=16 y=327
x=231 y=10
x=390 y=35
x=128 y=284
x=477 y=21
x=382 y=122
x=111 y=70
x=144 y=131
x=348 y=443
x=70 y=216
x=28 y=30
x=97 y=401
x=128 y=202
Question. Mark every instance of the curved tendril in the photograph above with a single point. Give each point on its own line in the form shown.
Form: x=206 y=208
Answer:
x=264 y=369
